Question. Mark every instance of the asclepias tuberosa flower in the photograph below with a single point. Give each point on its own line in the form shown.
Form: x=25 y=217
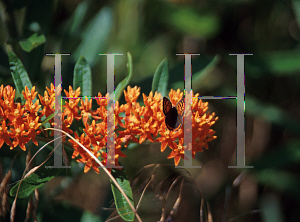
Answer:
x=157 y=120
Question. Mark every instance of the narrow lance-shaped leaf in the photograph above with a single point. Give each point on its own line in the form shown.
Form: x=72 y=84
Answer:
x=94 y=37
x=83 y=77
x=122 y=205
x=121 y=86
x=46 y=120
x=160 y=78
x=19 y=74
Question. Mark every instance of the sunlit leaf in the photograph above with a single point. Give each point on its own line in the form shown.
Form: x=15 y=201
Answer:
x=122 y=205
x=33 y=181
x=160 y=78
x=32 y=42
x=83 y=77
x=19 y=74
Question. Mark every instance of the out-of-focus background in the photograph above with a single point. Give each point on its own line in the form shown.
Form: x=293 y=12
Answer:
x=152 y=30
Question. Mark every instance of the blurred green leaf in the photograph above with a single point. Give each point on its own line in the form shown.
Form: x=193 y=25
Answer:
x=95 y=36
x=267 y=111
x=160 y=78
x=121 y=86
x=152 y=54
x=77 y=18
x=283 y=63
x=279 y=63
x=83 y=77
x=192 y=23
x=204 y=78
x=89 y=217
x=286 y=155
x=122 y=205
x=201 y=78
x=19 y=73
x=32 y=42
x=34 y=180
x=271 y=208
x=296 y=7
x=281 y=180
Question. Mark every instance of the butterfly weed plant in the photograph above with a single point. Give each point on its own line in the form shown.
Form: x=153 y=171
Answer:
x=158 y=120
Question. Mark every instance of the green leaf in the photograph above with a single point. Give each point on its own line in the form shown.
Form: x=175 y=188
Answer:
x=122 y=205
x=204 y=74
x=271 y=208
x=77 y=18
x=160 y=78
x=33 y=181
x=296 y=6
x=83 y=77
x=90 y=217
x=121 y=86
x=267 y=111
x=32 y=42
x=282 y=63
x=45 y=121
x=19 y=73
x=285 y=155
x=280 y=180
x=205 y=78
x=95 y=36
x=190 y=22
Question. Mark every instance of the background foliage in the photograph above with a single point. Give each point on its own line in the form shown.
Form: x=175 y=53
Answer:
x=152 y=30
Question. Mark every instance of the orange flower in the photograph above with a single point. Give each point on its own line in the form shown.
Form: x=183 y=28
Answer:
x=20 y=136
x=131 y=122
x=118 y=110
x=91 y=131
x=48 y=102
x=1 y=91
x=51 y=91
x=7 y=103
x=9 y=93
x=4 y=135
x=66 y=127
x=102 y=100
x=32 y=108
x=175 y=96
x=78 y=150
x=32 y=126
x=29 y=94
x=118 y=153
x=147 y=128
x=157 y=114
x=71 y=108
x=168 y=137
x=177 y=153
x=93 y=138
x=132 y=94
x=85 y=109
x=16 y=115
x=90 y=162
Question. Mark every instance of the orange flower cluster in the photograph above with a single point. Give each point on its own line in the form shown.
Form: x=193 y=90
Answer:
x=148 y=121
x=19 y=123
x=133 y=122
